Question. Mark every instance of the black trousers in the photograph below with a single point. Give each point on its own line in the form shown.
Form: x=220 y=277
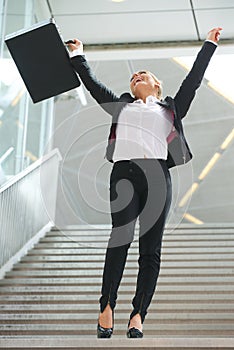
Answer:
x=138 y=188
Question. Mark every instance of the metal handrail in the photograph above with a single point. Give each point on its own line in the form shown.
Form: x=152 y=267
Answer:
x=29 y=169
x=27 y=206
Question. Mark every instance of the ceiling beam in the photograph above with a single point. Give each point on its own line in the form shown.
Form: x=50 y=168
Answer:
x=109 y=52
x=195 y=20
x=50 y=8
x=156 y=44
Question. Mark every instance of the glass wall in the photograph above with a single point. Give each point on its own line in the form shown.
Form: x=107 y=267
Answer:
x=25 y=127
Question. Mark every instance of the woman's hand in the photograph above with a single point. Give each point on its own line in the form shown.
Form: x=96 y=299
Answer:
x=214 y=34
x=78 y=45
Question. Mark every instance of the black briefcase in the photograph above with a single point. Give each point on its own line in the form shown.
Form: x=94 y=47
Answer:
x=42 y=60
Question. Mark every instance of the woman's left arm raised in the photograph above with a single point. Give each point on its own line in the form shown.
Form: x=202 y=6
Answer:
x=191 y=83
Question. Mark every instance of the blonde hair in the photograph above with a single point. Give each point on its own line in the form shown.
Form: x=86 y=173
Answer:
x=160 y=90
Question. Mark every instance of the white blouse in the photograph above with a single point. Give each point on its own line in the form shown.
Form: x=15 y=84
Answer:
x=142 y=130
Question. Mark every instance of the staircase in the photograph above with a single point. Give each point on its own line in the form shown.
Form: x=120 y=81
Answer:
x=50 y=298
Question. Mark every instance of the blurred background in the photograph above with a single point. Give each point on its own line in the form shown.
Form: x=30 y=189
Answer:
x=121 y=37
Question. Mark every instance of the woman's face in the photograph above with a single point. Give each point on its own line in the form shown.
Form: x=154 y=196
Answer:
x=142 y=80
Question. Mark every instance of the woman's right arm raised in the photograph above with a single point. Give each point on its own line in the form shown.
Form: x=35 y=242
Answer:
x=98 y=90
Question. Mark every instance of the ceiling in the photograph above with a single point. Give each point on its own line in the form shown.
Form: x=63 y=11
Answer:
x=105 y=21
x=210 y=120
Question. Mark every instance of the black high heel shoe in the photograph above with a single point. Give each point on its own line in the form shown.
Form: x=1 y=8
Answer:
x=105 y=332
x=134 y=332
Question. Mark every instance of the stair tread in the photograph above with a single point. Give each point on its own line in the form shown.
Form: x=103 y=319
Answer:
x=79 y=306
x=75 y=245
x=55 y=256
x=91 y=272
x=154 y=316
x=170 y=325
x=167 y=238
x=165 y=265
x=157 y=298
x=118 y=342
x=163 y=279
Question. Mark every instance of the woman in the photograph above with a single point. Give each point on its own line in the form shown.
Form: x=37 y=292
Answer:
x=146 y=139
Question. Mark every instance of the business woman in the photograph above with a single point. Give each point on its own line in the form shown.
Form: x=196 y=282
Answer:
x=146 y=139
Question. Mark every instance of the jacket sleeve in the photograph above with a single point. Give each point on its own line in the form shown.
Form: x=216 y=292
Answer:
x=103 y=95
x=191 y=83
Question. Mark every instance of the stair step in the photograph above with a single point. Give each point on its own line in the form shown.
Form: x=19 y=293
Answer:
x=154 y=315
x=209 y=299
x=163 y=279
x=168 y=230
x=87 y=343
x=205 y=246
x=167 y=238
x=222 y=253
x=98 y=265
x=193 y=326
x=92 y=273
x=94 y=289
x=34 y=257
x=128 y=282
x=156 y=307
x=163 y=329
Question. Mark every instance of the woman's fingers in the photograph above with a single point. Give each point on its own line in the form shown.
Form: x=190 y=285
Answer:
x=214 y=34
x=74 y=44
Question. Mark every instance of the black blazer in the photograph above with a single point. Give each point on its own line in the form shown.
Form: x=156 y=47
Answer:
x=178 y=149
